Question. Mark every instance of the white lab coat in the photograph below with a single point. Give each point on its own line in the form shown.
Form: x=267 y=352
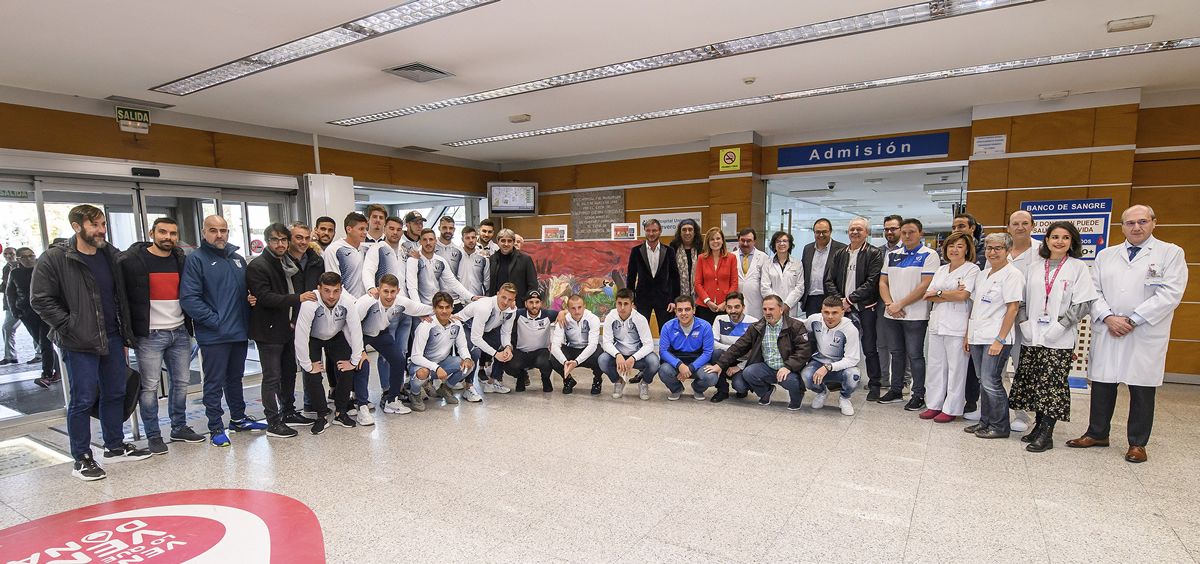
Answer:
x=786 y=282
x=1072 y=286
x=1150 y=286
x=749 y=282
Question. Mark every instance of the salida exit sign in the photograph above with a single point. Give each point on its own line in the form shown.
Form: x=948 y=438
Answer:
x=133 y=120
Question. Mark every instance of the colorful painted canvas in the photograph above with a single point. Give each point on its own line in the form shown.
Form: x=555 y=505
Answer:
x=594 y=269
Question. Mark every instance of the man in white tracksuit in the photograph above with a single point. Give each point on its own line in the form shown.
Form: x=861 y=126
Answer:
x=1141 y=283
x=490 y=322
x=628 y=346
x=440 y=355
x=328 y=326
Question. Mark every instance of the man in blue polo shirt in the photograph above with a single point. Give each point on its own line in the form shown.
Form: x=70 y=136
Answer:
x=906 y=275
x=685 y=346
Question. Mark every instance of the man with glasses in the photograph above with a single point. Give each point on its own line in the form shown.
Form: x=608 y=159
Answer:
x=891 y=242
x=310 y=266
x=152 y=276
x=816 y=262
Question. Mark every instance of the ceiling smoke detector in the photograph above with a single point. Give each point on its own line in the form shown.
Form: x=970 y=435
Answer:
x=418 y=72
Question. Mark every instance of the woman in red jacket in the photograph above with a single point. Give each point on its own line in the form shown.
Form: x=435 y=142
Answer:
x=716 y=276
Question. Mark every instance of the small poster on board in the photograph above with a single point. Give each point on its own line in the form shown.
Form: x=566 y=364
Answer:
x=624 y=232
x=554 y=233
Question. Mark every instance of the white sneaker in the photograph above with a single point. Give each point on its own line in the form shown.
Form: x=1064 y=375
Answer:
x=353 y=411
x=698 y=396
x=847 y=407
x=396 y=406
x=364 y=417
x=618 y=389
x=457 y=386
x=972 y=416
x=489 y=388
x=644 y=390
x=1020 y=422
x=471 y=395
x=501 y=388
x=819 y=400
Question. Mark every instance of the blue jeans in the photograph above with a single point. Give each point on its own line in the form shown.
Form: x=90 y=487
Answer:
x=906 y=341
x=648 y=366
x=452 y=365
x=223 y=365
x=760 y=379
x=96 y=378
x=701 y=380
x=848 y=378
x=993 y=401
x=390 y=353
x=175 y=347
x=400 y=328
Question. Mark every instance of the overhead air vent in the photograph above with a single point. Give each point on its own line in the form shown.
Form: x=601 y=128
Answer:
x=418 y=72
x=137 y=102
x=419 y=148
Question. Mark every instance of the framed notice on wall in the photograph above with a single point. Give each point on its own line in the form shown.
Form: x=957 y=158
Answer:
x=554 y=233
x=624 y=232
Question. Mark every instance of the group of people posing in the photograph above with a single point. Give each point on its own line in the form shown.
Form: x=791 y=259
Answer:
x=444 y=317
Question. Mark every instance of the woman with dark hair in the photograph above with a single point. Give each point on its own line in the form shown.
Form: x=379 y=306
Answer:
x=783 y=276
x=716 y=276
x=1058 y=293
x=686 y=248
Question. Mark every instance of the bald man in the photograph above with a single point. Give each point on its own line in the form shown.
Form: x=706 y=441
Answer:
x=213 y=293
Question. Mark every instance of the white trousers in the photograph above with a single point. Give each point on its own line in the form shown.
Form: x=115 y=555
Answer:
x=946 y=374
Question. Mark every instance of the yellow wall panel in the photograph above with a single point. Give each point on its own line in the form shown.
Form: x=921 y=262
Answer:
x=1015 y=197
x=548 y=179
x=686 y=166
x=1168 y=127
x=405 y=172
x=362 y=167
x=1166 y=173
x=1118 y=194
x=1052 y=170
x=1111 y=167
x=1171 y=205
x=992 y=126
x=731 y=191
x=1192 y=292
x=1054 y=130
x=989 y=208
x=667 y=196
x=991 y=173
x=1183 y=357
x=1116 y=125
x=554 y=203
x=1186 y=324
x=1187 y=237
x=238 y=152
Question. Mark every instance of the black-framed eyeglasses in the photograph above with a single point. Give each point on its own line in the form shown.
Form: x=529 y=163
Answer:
x=278 y=239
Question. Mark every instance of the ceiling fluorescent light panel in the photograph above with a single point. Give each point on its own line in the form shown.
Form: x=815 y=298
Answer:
x=873 y=21
x=1032 y=62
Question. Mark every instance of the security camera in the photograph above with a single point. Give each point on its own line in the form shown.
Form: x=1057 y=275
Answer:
x=832 y=184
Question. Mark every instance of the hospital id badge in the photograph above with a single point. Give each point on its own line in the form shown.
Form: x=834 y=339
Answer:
x=1154 y=275
x=990 y=295
x=1044 y=320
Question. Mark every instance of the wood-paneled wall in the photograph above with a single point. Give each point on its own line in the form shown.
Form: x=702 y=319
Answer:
x=1167 y=181
x=54 y=131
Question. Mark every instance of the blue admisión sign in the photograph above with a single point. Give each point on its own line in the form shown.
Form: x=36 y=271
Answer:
x=902 y=148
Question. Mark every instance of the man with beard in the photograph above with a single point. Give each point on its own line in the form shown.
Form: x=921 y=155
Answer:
x=323 y=231
x=473 y=266
x=214 y=295
x=487 y=243
x=75 y=291
x=310 y=264
x=152 y=273
x=445 y=243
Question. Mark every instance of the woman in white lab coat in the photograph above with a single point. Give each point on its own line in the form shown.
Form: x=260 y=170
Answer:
x=946 y=361
x=1058 y=293
x=783 y=276
x=1141 y=283
x=995 y=301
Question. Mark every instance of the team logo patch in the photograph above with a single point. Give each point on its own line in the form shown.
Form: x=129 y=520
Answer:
x=189 y=526
x=454 y=331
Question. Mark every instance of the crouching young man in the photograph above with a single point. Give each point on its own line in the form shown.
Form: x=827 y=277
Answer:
x=628 y=346
x=837 y=353
x=776 y=349
x=575 y=343
x=378 y=315
x=328 y=325
x=439 y=356
x=686 y=345
x=531 y=342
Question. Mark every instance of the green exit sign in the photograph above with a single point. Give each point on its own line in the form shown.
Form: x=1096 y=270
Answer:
x=133 y=120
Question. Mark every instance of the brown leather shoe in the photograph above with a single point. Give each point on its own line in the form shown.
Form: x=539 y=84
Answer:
x=1087 y=442
x=1136 y=454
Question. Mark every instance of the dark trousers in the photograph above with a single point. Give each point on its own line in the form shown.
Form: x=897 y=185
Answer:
x=907 y=340
x=661 y=315
x=867 y=325
x=812 y=303
x=335 y=348
x=706 y=314
x=522 y=361
x=972 y=391
x=96 y=378
x=1141 y=412
x=279 y=380
x=572 y=353
x=41 y=334
x=223 y=365
x=496 y=372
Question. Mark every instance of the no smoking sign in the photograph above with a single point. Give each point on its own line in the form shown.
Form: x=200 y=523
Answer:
x=730 y=159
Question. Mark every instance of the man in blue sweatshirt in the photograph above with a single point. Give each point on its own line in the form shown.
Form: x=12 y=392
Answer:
x=213 y=293
x=686 y=345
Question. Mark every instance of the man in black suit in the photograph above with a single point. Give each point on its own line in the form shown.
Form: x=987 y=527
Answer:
x=817 y=257
x=652 y=275
x=857 y=284
x=511 y=265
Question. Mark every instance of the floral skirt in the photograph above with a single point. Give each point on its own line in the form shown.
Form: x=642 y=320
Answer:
x=1040 y=383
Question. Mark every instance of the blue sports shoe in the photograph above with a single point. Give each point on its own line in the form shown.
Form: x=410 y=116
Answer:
x=247 y=424
x=220 y=439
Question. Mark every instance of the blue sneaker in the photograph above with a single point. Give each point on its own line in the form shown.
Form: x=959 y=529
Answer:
x=220 y=439
x=247 y=424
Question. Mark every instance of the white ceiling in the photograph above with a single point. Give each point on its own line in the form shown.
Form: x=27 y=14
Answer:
x=94 y=49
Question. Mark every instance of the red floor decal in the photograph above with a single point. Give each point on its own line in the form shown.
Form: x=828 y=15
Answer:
x=218 y=526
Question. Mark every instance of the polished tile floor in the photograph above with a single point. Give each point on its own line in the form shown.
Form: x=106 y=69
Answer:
x=546 y=477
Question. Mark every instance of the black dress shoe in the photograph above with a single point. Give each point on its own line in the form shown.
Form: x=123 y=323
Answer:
x=974 y=428
x=991 y=434
x=596 y=383
x=741 y=395
x=569 y=385
x=719 y=397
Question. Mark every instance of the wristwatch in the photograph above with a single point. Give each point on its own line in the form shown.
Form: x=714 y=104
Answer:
x=1132 y=323
x=938 y=294
x=828 y=368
